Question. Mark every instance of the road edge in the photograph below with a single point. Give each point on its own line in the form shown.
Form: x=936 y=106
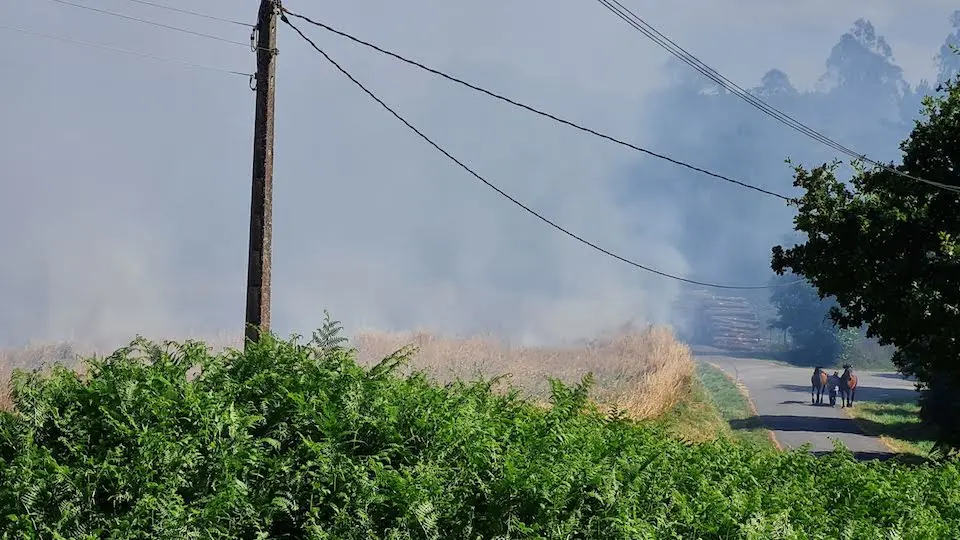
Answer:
x=746 y=395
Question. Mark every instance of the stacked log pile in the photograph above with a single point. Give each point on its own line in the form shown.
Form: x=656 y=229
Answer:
x=725 y=322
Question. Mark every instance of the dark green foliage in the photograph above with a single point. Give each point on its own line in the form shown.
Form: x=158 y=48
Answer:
x=286 y=440
x=816 y=340
x=885 y=248
x=806 y=317
x=862 y=352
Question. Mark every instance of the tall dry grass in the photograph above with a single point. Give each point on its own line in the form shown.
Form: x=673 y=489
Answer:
x=642 y=372
x=31 y=357
x=6 y=404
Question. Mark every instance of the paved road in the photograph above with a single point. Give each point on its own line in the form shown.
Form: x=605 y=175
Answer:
x=781 y=395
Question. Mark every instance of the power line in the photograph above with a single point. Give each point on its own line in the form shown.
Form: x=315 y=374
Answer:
x=673 y=48
x=194 y=13
x=124 y=51
x=503 y=193
x=687 y=58
x=532 y=109
x=153 y=23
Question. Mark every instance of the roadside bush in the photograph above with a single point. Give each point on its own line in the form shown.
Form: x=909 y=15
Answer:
x=292 y=440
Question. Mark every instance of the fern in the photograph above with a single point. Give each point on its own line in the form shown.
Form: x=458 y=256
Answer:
x=328 y=337
x=284 y=440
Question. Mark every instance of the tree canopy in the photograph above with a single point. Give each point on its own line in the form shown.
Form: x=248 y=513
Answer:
x=805 y=316
x=885 y=247
x=816 y=339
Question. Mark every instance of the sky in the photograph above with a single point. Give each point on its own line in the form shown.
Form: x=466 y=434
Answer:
x=127 y=179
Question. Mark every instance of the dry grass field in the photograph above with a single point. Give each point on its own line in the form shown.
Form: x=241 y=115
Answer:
x=5 y=404
x=643 y=372
x=31 y=357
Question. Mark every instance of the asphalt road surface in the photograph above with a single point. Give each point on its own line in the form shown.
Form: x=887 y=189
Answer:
x=781 y=395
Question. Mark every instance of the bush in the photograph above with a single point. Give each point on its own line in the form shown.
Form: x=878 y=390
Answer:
x=862 y=352
x=287 y=440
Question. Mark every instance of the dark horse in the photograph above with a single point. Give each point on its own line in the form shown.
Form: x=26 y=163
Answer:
x=818 y=382
x=848 y=386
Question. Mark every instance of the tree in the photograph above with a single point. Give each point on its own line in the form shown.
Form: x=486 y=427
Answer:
x=848 y=339
x=806 y=317
x=885 y=247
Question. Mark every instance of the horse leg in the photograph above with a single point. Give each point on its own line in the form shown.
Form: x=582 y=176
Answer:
x=853 y=392
x=813 y=393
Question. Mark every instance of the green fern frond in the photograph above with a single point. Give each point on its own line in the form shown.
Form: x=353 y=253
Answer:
x=328 y=337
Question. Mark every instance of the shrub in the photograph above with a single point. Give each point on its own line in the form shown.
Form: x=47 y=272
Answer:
x=292 y=440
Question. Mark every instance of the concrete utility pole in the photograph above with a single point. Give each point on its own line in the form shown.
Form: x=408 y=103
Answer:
x=261 y=196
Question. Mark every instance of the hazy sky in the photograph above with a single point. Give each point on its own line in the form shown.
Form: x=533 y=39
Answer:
x=126 y=180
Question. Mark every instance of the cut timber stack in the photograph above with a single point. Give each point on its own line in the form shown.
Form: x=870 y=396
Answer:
x=724 y=322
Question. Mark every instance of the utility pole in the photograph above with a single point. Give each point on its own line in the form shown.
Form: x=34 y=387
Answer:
x=261 y=195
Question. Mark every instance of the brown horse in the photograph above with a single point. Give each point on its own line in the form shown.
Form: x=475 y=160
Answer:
x=848 y=386
x=818 y=383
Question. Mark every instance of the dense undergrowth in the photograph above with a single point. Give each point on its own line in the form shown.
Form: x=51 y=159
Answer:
x=291 y=440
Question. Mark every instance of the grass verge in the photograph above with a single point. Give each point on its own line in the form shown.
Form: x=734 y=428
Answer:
x=896 y=423
x=694 y=417
x=704 y=413
x=731 y=404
